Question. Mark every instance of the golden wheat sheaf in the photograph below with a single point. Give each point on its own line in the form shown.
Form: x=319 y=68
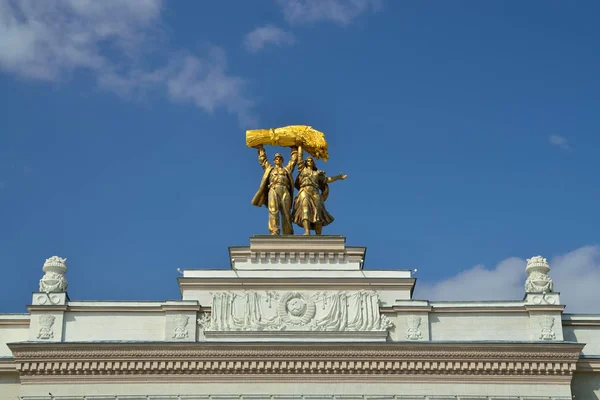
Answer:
x=311 y=140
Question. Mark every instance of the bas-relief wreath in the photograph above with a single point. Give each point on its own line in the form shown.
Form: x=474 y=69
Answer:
x=341 y=311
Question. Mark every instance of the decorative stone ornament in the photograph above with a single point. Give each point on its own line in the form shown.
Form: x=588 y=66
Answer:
x=538 y=280
x=546 y=324
x=54 y=280
x=45 y=331
x=413 y=332
x=204 y=321
x=342 y=311
x=296 y=309
x=180 y=331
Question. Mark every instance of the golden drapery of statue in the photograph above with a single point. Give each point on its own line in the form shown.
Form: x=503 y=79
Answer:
x=276 y=189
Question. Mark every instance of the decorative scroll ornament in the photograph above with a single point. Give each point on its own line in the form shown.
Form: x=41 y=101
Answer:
x=180 y=331
x=341 y=311
x=46 y=322
x=538 y=280
x=413 y=332
x=54 y=280
x=546 y=323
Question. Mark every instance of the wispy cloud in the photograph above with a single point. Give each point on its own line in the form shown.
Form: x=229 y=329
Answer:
x=559 y=141
x=576 y=275
x=269 y=34
x=50 y=40
x=342 y=12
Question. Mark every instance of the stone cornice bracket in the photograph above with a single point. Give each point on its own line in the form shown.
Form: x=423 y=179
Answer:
x=538 y=280
x=517 y=361
x=54 y=279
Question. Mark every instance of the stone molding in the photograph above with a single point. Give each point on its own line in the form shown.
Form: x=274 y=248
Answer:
x=15 y=320
x=326 y=251
x=588 y=364
x=8 y=364
x=517 y=361
x=262 y=396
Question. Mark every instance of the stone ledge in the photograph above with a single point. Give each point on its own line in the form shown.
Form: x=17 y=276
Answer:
x=554 y=361
x=296 y=336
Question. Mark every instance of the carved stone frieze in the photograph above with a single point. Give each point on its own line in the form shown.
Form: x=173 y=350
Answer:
x=548 y=359
x=341 y=311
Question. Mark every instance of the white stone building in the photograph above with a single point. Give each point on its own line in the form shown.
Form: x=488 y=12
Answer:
x=297 y=318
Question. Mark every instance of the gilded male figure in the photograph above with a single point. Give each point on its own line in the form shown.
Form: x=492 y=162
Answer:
x=276 y=190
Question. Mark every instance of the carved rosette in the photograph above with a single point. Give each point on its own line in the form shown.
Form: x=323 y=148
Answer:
x=538 y=280
x=180 y=331
x=45 y=332
x=296 y=309
x=54 y=279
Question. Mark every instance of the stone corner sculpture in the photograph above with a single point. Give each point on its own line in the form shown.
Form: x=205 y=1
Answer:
x=538 y=280
x=54 y=278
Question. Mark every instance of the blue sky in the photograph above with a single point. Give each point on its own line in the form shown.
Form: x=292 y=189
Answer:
x=469 y=131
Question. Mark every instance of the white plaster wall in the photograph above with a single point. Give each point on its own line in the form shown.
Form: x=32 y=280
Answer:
x=479 y=326
x=87 y=326
x=584 y=334
x=12 y=333
x=586 y=386
x=295 y=387
x=9 y=386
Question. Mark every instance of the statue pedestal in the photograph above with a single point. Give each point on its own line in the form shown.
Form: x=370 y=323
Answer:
x=307 y=288
x=315 y=253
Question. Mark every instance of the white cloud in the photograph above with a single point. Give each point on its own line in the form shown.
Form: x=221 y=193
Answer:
x=559 y=141
x=111 y=40
x=340 y=11
x=268 y=34
x=576 y=276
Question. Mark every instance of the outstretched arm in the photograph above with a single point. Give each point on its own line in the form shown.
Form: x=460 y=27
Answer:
x=339 y=177
x=262 y=157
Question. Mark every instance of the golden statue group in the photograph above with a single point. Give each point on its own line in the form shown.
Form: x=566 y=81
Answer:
x=276 y=189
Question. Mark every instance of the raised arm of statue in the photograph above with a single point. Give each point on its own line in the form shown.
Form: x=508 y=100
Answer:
x=293 y=159
x=300 y=157
x=262 y=157
x=339 y=177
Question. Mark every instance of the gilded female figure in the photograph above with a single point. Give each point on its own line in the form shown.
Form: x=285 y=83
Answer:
x=313 y=189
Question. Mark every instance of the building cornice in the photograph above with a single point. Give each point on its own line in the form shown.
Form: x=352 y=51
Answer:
x=588 y=364
x=555 y=362
x=8 y=364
